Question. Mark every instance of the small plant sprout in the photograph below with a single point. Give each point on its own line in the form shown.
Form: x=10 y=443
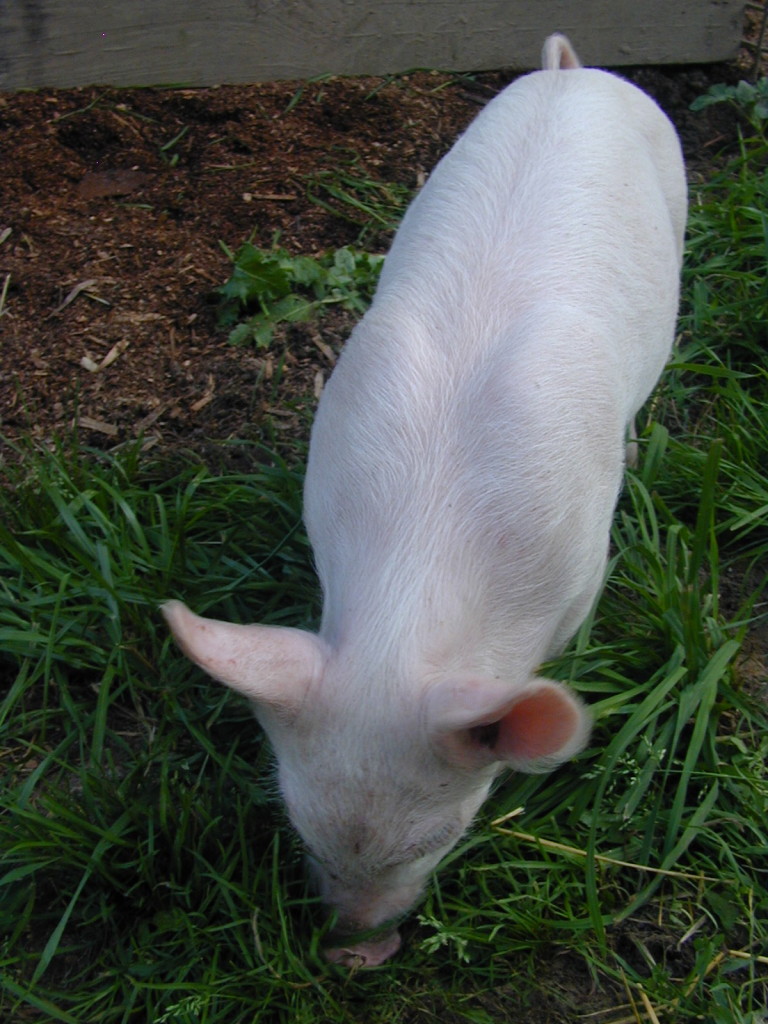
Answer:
x=270 y=287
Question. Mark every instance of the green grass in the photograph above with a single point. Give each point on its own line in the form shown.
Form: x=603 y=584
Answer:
x=350 y=192
x=147 y=873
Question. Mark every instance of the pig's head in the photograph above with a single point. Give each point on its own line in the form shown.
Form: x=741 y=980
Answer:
x=379 y=782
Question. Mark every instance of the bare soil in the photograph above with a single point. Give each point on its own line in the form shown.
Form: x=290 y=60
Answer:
x=114 y=205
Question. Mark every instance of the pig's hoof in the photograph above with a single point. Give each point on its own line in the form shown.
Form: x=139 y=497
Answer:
x=365 y=954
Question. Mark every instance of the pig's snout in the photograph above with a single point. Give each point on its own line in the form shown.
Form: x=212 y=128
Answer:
x=366 y=953
x=365 y=915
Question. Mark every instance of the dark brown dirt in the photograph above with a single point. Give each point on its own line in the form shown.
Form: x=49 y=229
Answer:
x=114 y=205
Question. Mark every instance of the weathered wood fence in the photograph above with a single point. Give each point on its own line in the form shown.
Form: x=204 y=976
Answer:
x=205 y=42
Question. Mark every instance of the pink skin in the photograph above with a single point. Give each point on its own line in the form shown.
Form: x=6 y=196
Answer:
x=368 y=953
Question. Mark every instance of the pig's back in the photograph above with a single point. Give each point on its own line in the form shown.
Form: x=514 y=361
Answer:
x=470 y=440
x=569 y=187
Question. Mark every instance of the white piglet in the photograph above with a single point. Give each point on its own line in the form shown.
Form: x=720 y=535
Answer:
x=464 y=467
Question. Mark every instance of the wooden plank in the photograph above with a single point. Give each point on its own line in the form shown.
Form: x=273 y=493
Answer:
x=206 y=42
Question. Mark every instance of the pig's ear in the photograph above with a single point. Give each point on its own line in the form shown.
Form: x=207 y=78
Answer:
x=531 y=728
x=271 y=665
